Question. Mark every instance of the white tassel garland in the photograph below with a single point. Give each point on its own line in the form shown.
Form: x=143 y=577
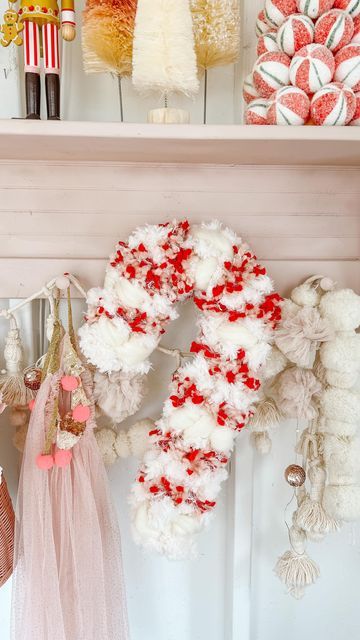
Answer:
x=294 y=568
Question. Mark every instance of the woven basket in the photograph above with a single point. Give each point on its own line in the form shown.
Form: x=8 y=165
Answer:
x=7 y=525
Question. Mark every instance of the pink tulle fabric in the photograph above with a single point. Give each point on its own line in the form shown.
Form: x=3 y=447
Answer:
x=68 y=581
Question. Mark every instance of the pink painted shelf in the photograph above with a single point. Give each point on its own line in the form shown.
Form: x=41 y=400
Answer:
x=165 y=144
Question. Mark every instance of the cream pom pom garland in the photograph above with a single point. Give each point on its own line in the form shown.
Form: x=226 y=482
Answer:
x=211 y=397
x=319 y=381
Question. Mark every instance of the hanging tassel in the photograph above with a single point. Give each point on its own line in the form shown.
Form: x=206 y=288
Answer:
x=217 y=32
x=164 y=57
x=12 y=387
x=311 y=515
x=266 y=415
x=261 y=441
x=294 y=568
x=107 y=36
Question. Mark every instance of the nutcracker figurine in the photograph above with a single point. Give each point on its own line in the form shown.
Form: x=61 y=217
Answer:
x=39 y=26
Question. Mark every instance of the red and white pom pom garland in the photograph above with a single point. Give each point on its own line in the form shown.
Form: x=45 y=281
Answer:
x=350 y=6
x=296 y=32
x=334 y=29
x=314 y=8
x=309 y=33
x=277 y=10
x=288 y=106
x=211 y=397
x=333 y=105
x=347 y=65
x=271 y=72
x=256 y=112
x=312 y=67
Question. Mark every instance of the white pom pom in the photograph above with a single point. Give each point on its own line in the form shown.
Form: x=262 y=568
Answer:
x=342 y=458
x=340 y=404
x=341 y=379
x=338 y=428
x=275 y=363
x=222 y=439
x=327 y=284
x=342 y=502
x=342 y=353
x=122 y=445
x=119 y=395
x=342 y=309
x=305 y=296
x=138 y=437
x=106 y=440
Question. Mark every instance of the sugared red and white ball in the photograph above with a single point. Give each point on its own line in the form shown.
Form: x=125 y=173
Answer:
x=267 y=43
x=262 y=25
x=333 y=105
x=277 y=10
x=355 y=122
x=249 y=91
x=288 y=106
x=347 y=65
x=312 y=67
x=356 y=34
x=314 y=8
x=256 y=112
x=271 y=72
x=295 y=32
x=350 y=6
x=334 y=29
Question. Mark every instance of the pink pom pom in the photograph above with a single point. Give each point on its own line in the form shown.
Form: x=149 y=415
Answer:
x=334 y=29
x=69 y=383
x=271 y=72
x=296 y=32
x=314 y=8
x=350 y=6
x=44 y=461
x=334 y=104
x=347 y=65
x=81 y=413
x=256 y=113
x=63 y=457
x=312 y=67
x=288 y=106
x=267 y=43
x=277 y=10
x=31 y=404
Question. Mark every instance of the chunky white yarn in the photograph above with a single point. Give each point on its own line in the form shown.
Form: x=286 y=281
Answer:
x=164 y=57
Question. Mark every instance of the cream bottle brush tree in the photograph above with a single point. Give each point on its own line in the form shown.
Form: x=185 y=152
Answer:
x=164 y=58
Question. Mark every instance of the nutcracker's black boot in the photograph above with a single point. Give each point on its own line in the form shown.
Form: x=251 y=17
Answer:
x=52 y=85
x=32 y=91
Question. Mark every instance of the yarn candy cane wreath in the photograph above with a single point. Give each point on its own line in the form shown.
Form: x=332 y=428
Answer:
x=211 y=397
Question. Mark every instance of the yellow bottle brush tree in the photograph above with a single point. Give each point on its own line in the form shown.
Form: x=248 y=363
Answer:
x=217 y=34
